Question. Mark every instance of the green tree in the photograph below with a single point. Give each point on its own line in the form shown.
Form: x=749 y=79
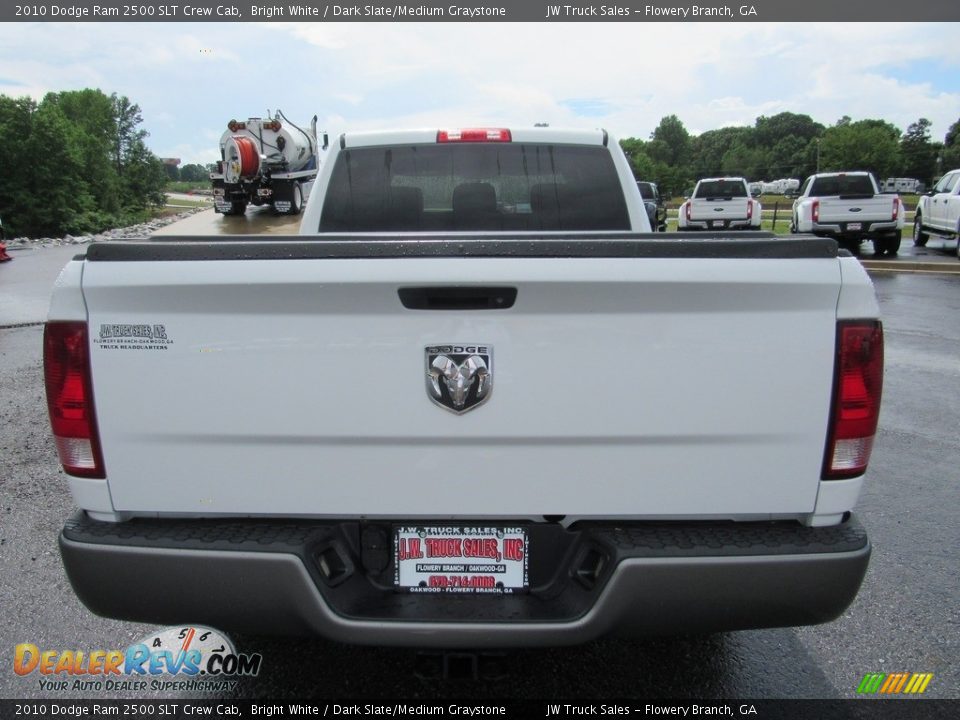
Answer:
x=708 y=149
x=68 y=166
x=127 y=131
x=918 y=154
x=194 y=173
x=92 y=112
x=144 y=179
x=768 y=131
x=57 y=194
x=670 y=142
x=743 y=160
x=640 y=162
x=16 y=205
x=141 y=174
x=872 y=145
x=950 y=155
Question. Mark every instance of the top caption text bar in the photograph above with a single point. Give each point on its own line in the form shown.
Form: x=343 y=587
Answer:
x=473 y=11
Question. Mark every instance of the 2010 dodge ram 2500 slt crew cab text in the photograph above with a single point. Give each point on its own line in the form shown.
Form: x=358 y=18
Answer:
x=475 y=403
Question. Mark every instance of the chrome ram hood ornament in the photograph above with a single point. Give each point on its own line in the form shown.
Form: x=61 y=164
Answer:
x=459 y=377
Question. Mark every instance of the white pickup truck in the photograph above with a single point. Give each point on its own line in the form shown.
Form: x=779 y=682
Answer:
x=848 y=206
x=720 y=204
x=938 y=212
x=476 y=403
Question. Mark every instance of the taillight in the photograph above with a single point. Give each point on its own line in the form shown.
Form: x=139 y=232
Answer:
x=474 y=135
x=687 y=211
x=66 y=369
x=749 y=209
x=896 y=208
x=815 y=211
x=857 y=386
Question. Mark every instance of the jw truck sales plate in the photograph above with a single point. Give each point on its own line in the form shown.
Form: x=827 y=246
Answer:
x=455 y=559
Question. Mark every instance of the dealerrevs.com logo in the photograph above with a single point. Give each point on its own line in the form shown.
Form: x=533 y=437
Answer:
x=172 y=659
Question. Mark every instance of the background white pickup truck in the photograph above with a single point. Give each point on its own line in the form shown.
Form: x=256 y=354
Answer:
x=848 y=206
x=938 y=212
x=720 y=204
x=475 y=403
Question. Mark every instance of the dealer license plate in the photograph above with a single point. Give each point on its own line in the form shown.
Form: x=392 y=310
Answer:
x=854 y=226
x=718 y=223
x=460 y=559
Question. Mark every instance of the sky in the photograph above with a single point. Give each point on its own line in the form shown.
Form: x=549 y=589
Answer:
x=190 y=79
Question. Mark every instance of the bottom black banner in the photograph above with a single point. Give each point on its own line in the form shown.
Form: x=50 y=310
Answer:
x=905 y=709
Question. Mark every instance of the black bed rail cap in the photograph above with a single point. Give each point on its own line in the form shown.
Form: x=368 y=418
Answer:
x=742 y=245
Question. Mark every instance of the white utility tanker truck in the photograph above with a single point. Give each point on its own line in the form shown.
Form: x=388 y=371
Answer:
x=266 y=162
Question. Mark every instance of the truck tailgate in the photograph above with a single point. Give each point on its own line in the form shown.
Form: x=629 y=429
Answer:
x=835 y=210
x=663 y=386
x=719 y=209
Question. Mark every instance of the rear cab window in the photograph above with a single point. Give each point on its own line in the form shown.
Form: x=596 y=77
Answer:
x=854 y=186
x=474 y=187
x=646 y=191
x=720 y=190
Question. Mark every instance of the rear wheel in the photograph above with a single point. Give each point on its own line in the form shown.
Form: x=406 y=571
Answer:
x=296 y=202
x=852 y=245
x=887 y=244
x=893 y=243
x=919 y=236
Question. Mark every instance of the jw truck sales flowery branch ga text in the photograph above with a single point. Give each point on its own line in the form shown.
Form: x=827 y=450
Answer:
x=650 y=11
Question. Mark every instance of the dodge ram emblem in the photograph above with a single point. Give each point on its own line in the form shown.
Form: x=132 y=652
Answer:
x=459 y=377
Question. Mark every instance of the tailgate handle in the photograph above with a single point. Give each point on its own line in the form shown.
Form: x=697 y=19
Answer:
x=458 y=298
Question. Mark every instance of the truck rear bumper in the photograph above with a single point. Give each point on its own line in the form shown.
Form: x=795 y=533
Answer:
x=725 y=224
x=633 y=578
x=868 y=228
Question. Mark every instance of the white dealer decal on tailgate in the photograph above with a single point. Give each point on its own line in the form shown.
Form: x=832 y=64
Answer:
x=131 y=336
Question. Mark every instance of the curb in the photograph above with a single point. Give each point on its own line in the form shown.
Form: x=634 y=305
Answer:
x=895 y=266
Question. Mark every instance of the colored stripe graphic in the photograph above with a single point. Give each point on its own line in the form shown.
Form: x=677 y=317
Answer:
x=871 y=683
x=894 y=683
x=918 y=683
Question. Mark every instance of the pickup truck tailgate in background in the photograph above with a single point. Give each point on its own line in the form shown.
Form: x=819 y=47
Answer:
x=718 y=209
x=834 y=210
x=662 y=387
